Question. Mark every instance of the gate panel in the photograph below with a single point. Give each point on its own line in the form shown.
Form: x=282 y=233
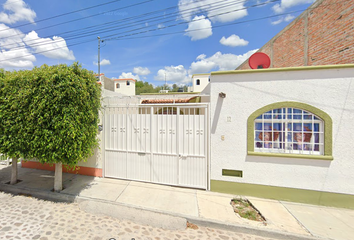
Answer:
x=139 y=166
x=162 y=144
x=117 y=165
x=164 y=169
x=193 y=171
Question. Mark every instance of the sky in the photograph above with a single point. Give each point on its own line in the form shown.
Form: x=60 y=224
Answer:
x=148 y=40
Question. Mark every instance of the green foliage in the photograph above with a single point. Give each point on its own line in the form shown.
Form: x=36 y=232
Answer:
x=50 y=113
x=13 y=125
x=145 y=87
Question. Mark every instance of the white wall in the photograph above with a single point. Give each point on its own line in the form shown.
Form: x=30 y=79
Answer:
x=125 y=89
x=204 y=80
x=331 y=90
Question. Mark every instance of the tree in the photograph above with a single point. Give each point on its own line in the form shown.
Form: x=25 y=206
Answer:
x=14 y=135
x=57 y=115
x=144 y=87
x=63 y=113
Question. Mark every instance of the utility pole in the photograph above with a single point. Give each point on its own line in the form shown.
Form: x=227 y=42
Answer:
x=99 y=68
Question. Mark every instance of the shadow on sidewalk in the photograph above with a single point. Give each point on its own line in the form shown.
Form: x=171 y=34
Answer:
x=40 y=183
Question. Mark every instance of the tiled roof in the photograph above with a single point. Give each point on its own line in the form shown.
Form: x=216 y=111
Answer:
x=124 y=79
x=161 y=101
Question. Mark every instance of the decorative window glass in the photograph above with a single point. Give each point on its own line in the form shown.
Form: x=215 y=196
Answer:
x=289 y=130
x=198 y=82
x=117 y=85
x=128 y=83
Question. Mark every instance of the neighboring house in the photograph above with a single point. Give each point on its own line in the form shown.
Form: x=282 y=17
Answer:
x=200 y=81
x=124 y=86
x=322 y=35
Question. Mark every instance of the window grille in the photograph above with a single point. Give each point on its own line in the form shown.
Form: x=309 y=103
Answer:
x=289 y=130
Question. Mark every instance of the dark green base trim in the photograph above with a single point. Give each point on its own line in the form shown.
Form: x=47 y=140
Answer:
x=284 y=194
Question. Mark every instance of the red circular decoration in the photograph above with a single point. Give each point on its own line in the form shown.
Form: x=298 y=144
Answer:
x=259 y=60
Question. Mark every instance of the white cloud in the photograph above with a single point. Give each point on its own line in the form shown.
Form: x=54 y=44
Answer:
x=233 y=41
x=141 y=71
x=103 y=62
x=175 y=74
x=19 y=58
x=13 y=51
x=212 y=8
x=10 y=37
x=52 y=48
x=220 y=62
x=199 y=23
x=285 y=4
x=201 y=56
x=17 y=10
x=129 y=75
x=159 y=26
x=287 y=18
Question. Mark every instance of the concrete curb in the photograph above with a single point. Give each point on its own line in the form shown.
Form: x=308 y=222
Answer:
x=147 y=216
x=45 y=195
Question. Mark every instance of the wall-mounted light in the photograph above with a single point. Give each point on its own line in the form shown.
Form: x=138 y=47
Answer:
x=222 y=95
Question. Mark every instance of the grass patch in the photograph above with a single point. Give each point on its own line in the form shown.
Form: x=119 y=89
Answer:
x=245 y=209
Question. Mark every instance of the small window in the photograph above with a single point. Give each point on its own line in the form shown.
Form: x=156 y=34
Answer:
x=198 y=82
x=117 y=85
x=128 y=83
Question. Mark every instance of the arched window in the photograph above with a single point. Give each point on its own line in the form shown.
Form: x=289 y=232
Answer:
x=198 y=82
x=292 y=129
x=128 y=83
x=117 y=85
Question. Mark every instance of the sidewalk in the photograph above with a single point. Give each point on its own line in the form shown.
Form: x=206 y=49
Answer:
x=170 y=207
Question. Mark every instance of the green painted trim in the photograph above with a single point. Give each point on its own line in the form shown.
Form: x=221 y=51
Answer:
x=284 y=155
x=200 y=74
x=195 y=100
x=284 y=194
x=321 y=114
x=284 y=69
x=232 y=173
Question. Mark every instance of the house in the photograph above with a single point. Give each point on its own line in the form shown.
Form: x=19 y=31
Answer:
x=199 y=82
x=124 y=86
x=284 y=133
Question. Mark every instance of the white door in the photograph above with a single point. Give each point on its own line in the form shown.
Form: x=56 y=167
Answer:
x=161 y=144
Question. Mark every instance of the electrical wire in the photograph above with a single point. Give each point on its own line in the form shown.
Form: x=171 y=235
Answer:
x=218 y=26
x=110 y=29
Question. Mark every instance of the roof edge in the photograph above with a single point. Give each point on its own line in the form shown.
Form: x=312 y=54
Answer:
x=320 y=67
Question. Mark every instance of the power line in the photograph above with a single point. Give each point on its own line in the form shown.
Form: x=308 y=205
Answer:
x=110 y=29
x=78 y=19
x=130 y=18
x=218 y=26
x=63 y=14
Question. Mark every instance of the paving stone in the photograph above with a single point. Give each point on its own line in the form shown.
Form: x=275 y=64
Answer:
x=30 y=218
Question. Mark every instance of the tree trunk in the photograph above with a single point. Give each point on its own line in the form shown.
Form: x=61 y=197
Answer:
x=14 y=171
x=58 y=177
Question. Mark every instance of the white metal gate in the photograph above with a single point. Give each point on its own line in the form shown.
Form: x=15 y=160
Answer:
x=160 y=144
